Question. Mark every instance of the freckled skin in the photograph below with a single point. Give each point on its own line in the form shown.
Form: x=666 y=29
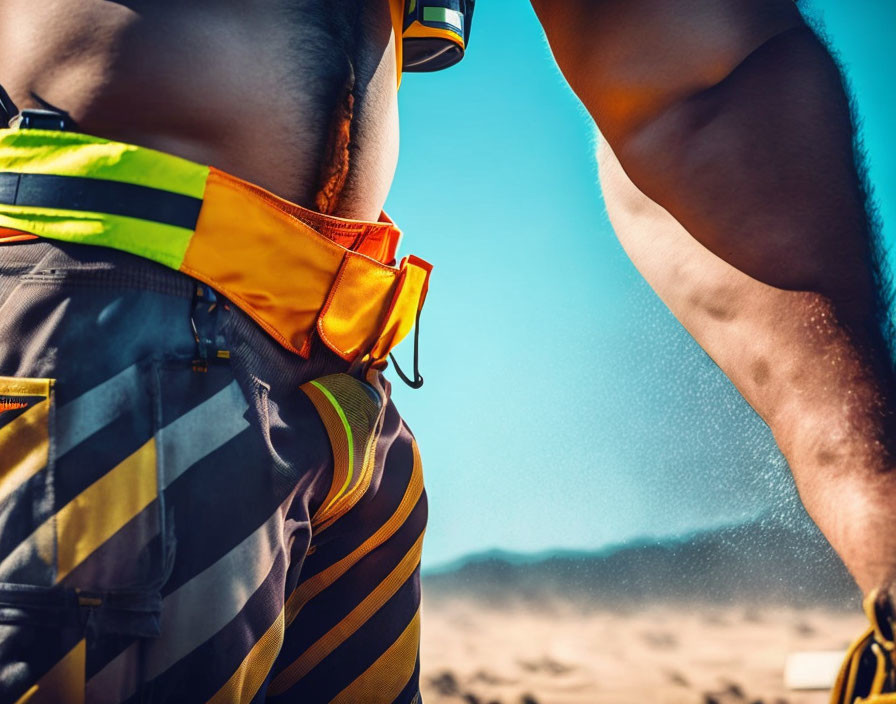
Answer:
x=795 y=363
x=760 y=372
x=734 y=190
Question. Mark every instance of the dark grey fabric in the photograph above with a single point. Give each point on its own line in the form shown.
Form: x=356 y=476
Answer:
x=243 y=461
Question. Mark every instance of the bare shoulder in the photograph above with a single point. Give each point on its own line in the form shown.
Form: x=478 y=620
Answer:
x=627 y=59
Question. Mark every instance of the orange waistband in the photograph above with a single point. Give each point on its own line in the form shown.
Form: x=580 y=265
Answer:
x=296 y=272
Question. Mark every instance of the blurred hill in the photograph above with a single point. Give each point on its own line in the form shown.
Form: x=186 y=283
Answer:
x=764 y=562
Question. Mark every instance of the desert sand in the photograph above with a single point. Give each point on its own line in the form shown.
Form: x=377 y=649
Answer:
x=560 y=653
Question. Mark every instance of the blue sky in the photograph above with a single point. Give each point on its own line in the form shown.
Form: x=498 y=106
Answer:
x=564 y=406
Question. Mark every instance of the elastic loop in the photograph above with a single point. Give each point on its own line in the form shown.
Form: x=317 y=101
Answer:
x=417 y=381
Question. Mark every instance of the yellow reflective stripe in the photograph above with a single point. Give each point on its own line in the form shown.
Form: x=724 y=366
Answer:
x=24 y=447
x=64 y=682
x=349 y=437
x=383 y=681
x=880 y=672
x=244 y=684
x=845 y=686
x=103 y=508
x=73 y=154
x=165 y=244
x=335 y=433
x=313 y=586
x=343 y=630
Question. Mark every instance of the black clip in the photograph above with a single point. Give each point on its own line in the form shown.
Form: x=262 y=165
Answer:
x=54 y=120
x=417 y=382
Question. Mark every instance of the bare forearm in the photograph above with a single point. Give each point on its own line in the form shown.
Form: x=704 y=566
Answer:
x=746 y=212
x=753 y=155
x=760 y=169
x=789 y=357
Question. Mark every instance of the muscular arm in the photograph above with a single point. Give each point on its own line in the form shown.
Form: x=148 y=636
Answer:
x=731 y=181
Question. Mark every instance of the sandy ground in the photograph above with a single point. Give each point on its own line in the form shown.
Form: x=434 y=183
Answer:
x=558 y=655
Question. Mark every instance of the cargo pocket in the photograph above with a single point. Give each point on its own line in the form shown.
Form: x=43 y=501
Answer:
x=40 y=629
x=83 y=545
x=352 y=413
x=27 y=415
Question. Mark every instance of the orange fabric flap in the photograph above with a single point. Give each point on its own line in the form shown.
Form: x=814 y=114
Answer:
x=369 y=311
x=274 y=267
x=352 y=315
x=408 y=301
x=291 y=278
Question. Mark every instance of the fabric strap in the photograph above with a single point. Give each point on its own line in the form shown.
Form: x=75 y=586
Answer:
x=296 y=272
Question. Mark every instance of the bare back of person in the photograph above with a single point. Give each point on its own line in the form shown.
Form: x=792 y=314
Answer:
x=266 y=90
x=209 y=536
x=723 y=115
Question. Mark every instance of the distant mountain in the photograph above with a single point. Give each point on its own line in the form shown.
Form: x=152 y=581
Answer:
x=766 y=561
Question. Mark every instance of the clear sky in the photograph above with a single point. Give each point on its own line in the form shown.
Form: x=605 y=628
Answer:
x=564 y=407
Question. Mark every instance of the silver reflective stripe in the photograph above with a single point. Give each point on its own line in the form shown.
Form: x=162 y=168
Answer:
x=183 y=442
x=200 y=431
x=95 y=409
x=196 y=611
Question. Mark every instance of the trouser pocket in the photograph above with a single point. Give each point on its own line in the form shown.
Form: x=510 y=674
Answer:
x=80 y=505
x=46 y=634
x=84 y=545
x=42 y=649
